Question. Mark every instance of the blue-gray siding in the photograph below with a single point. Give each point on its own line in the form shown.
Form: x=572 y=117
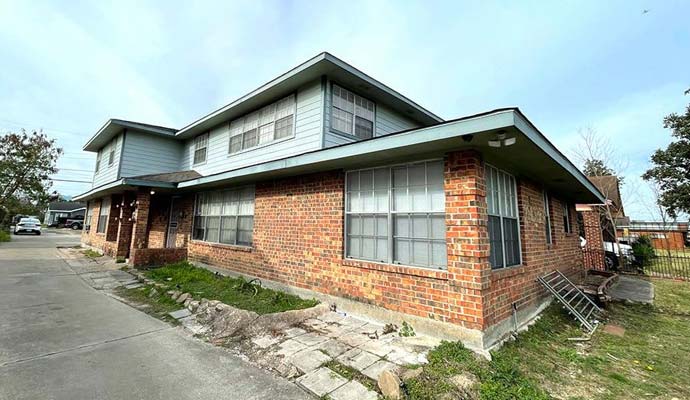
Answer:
x=108 y=173
x=146 y=154
x=387 y=121
x=307 y=137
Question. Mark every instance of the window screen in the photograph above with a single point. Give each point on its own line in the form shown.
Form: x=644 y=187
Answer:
x=225 y=216
x=566 y=218
x=397 y=215
x=547 y=219
x=503 y=223
x=352 y=114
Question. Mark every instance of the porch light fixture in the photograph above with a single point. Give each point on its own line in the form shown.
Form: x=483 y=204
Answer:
x=153 y=192
x=501 y=140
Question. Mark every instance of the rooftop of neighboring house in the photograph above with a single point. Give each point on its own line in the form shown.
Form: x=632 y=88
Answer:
x=609 y=186
x=65 y=205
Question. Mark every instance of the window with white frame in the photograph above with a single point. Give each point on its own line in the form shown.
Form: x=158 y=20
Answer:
x=504 y=234
x=89 y=215
x=225 y=216
x=352 y=114
x=397 y=215
x=200 y=148
x=273 y=122
x=98 y=161
x=111 y=155
x=566 y=218
x=103 y=215
x=547 y=219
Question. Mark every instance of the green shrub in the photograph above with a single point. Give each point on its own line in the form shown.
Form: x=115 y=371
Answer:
x=5 y=236
x=643 y=250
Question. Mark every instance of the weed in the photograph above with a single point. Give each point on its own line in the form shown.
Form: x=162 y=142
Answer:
x=406 y=330
x=91 y=253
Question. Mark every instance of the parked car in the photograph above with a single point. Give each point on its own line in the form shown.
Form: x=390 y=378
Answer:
x=74 y=224
x=617 y=254
x=28 y=225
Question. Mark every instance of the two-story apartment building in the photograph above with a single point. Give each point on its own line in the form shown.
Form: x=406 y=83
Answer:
x=330 y=184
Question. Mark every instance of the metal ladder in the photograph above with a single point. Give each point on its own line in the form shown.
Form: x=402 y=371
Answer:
x=572 y=299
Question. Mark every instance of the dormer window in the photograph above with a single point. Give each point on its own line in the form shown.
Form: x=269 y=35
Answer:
x=352 y=114
x=200 y=146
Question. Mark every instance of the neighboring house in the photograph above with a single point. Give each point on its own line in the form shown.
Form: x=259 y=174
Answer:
x=63 y=209
x=669 y=235
x=330 y=184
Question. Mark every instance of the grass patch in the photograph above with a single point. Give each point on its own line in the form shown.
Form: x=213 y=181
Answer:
x=652 y=359
x=498 y=379
x=236 y=292
x=350 y=373
x=5 y=236
x=91 y=253
x=158 y=305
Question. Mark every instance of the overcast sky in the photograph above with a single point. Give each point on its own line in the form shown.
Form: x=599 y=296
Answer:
x=68 y=66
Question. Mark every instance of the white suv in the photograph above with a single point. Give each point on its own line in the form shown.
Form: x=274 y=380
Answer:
x=28 y=225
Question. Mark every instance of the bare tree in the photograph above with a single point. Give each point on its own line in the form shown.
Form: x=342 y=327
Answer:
x=599 y=159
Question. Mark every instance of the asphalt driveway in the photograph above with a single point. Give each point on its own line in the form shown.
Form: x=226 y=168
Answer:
x=61 y=339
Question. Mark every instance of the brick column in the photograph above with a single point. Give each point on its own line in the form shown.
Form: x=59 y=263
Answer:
x=124 y=236
x=467 y=237
x=140 y=223
x=594 y=249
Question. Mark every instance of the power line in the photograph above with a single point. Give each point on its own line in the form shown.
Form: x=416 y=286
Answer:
x=76 y=170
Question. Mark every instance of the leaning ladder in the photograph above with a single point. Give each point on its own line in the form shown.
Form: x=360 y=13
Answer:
x=572 y=299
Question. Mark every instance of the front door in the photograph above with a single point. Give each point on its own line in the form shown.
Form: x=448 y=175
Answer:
x=172 y=224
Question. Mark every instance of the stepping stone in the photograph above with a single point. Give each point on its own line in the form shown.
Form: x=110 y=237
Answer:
x=265 y=341
x=311 y=338
x=357 y=359
x=190 y=323
x=180 y=313
x=332 y=317
x=353 y=390
x=292 y=332
x=321 y=381
x=290 y=347
x=333 y=347
x=309 y=360
x=354 y=339
x=134 y=286
x=374 y=370
x=377 y=347
x=403 y=357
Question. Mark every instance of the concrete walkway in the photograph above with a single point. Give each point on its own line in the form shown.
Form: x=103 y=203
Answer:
x=632 y=289
x=61 y=339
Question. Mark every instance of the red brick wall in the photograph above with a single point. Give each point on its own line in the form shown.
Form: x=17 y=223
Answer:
x=98 y=240
x=159 y=256
x=519 y=284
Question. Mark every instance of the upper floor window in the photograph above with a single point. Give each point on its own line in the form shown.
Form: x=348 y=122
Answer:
x=225 y=216
x=98 y=161
x=547 y=219
x=111 y=156
x=273 y=122
x=397 y=215
x=103 y=215
x=501 y=202
x=200 y=147
x=352 y=114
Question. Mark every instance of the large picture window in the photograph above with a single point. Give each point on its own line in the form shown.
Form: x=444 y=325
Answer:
x=103 y=215
x=352 y=114
x=225 y=216
x=273 y=122
x=397 y=215
x=504 y=235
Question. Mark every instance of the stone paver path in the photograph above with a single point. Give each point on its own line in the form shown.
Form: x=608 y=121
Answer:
x=303 y=353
